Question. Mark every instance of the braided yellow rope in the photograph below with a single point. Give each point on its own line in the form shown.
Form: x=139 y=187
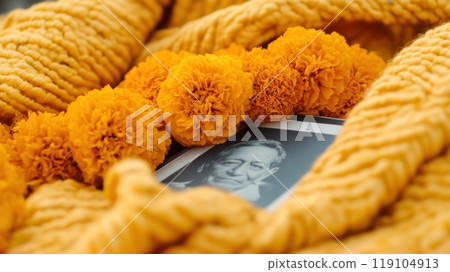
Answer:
x=184 y=11
x=63 y=211
x=55 y=51
x=417 y=223
x=69 y=217
x=255 y=22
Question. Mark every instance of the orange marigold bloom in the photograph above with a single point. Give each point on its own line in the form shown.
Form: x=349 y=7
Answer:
x=233 y=50
x=40 y=146
x=220 y=87
x=366 y=67
x=146 y=78
x=323 y=62
x=97 y=132
x=12 y=197
x=274 y=93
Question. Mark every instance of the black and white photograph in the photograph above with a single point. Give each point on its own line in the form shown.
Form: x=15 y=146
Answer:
x=259 y=166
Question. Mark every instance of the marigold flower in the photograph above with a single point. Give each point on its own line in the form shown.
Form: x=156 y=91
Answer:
x=366 y=67
x=274 y=93
x=12 y=197
x=146 y=78
x=97 y=132
x=213 y=85
x=233 y=50
x=323 y=62
x=40 y=146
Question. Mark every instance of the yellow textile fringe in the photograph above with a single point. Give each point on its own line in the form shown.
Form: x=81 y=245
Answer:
x=256 y=22
x=55 y=51
x=402 y=127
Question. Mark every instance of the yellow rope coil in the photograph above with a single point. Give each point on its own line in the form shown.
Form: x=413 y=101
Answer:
x=55 y=51
x=57 y=215
x=68 y=217
x=256 y=22
x=423 y=208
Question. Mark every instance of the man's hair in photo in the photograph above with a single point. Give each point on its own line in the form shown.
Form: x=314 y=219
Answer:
x=267 y=143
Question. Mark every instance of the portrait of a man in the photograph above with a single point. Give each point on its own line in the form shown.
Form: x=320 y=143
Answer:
x=260 y=170
x=240 y=168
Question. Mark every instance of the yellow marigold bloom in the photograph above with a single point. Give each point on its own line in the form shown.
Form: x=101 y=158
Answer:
x=40 y=146
x=323 y=62
x=274 y=93
x=12 y=197
x=146 y=78
x=366 y=67
x=97 y=132
x=233 y=50
x=213 y=85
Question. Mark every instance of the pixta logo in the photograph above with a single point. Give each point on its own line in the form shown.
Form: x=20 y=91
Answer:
x=142 y=124
x=147 y=119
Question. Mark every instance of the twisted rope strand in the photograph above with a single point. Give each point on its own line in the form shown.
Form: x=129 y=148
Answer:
x=256 y=22
x=69 y=47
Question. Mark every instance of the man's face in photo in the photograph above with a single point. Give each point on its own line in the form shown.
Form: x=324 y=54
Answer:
x=240 y=168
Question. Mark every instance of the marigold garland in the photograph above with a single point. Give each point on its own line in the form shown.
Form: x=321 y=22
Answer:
x=366 y=67
x=146 y=78
x=12 y=200
x=274 y=93
x=317 y=72
x=318 y=81
x=323 y=62
x=40 y=146
x=97 y=132
x=212 y=85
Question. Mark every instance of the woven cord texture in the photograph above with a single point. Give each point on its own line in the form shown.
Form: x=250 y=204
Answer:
x=184 y=11
x=69 y=217
x=418 y=222
x=55 y=51
x=255 y=22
